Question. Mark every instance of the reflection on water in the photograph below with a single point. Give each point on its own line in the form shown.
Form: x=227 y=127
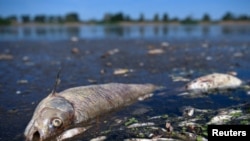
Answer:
x=181 y=32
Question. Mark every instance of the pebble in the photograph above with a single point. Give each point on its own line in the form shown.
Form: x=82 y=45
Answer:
x=238 y=54
x=155 y=51
x=25 y=58
x=18 y=92
x=204 y=45
x=75 y=50
x=22 y=81
x=6 y=57
x=208 y=58
x=248 y=93
x=120 y=71
x=165 y=44
x=74 y=39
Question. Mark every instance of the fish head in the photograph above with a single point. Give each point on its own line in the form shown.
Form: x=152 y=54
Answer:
x=52 y=116
x=198 y=86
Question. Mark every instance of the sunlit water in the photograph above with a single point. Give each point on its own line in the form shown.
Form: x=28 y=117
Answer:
x=184 y=32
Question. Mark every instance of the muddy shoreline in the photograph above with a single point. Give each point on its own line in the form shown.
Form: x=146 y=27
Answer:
x=29 y=70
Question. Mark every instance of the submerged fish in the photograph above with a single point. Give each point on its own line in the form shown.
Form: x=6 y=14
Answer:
x=66 y=114
x=215 y=81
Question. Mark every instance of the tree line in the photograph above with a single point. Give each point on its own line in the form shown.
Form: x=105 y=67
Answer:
x=115 y=18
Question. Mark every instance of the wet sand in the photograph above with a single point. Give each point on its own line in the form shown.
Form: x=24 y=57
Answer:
x=28 y=70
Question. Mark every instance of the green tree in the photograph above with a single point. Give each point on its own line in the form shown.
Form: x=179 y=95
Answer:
x=12 y=19
x=59 y=19
x=52 y=19
x=40 y=19
x=72 y=17
x=4 y=21
x=206 y=18
x=25 y=18
x=243 y=18
x=165 y=17
x=156 y=18
x=175 y=19
x=127 y=18
x=228 y=17
x=141 y=18
x=114 y=18
x=117 y=17
x=188 y=20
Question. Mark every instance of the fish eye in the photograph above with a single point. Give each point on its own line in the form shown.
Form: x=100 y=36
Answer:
x=57 y=122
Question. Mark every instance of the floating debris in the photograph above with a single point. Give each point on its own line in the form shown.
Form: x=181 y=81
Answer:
x=22 y=81
x=121 y=71
x=108 y=64
x=110 y=52
x=102 y=71
x=101 y=138
x=75 y=50
x=205 y=45
x=74 y=39
x=164 y=44
x=238 y=54
x=141 y=64
x=13 y=111
x=6 y=57
x=92 y=81
x=208 y=58
x=18 y=92
x=25 y=58
x=225 y=116
x=248 y=93
x=155 y=51
x=179 y=78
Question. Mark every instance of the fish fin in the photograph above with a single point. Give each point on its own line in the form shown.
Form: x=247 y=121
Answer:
x=141 y=98
x=233 y=73
x=183 y=94
x=57 y=82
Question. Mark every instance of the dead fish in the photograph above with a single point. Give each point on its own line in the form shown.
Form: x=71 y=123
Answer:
x=135 y=125
x=61 y=114
x=215 y=81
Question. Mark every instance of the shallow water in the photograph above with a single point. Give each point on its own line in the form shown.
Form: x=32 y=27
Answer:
x=29 y=76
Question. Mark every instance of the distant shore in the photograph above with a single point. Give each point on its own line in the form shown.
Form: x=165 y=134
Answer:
x=132 y=23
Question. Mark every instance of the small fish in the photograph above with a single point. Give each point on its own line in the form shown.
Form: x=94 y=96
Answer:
x=215 y=81
x=135 y=125
x=59 y=115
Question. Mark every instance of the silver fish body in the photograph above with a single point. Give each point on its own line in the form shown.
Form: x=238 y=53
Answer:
x=60 y=112
x=214 y=81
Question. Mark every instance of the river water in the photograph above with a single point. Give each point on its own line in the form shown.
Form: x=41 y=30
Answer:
x=171 y=32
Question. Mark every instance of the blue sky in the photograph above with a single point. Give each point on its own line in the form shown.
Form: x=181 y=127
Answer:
x=95 y=9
